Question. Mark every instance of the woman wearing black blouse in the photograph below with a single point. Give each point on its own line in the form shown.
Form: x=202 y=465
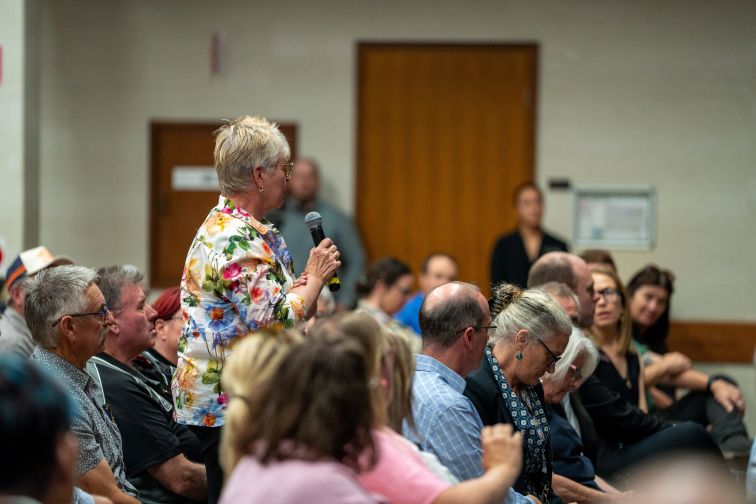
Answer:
x=515 y=253
x=615 y=398
x=531 y=331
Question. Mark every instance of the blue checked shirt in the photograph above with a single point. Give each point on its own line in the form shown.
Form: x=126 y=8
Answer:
x=446 y=422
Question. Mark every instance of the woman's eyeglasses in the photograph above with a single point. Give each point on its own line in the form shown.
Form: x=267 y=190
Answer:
x=554 y=357
x=609 y=293
x=103 y=314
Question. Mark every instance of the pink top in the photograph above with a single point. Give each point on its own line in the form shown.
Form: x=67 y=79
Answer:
x=400 y=474
x=294 y=481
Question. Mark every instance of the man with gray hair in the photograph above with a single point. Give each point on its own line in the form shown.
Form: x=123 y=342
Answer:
x=68 y=319
x=159 y=453
x=455 y=320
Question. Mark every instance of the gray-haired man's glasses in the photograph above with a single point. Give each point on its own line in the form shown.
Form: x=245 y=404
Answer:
x=103 y=313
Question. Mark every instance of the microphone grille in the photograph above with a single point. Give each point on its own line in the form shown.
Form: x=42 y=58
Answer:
x=313 y=220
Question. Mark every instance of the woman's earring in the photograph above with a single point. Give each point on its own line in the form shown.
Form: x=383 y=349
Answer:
x=518 y=356
x=260 y=188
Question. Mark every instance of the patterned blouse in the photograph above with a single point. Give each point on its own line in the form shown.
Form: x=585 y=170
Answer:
x=236 y=278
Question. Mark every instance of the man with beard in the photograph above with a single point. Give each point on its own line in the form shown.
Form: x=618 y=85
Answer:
x=160 y=455
x=68 y=319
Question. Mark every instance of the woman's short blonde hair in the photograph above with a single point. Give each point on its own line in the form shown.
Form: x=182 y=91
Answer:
x=252 y=365
x=243 y=144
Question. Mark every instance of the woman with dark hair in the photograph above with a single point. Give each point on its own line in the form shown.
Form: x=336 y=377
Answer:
x=515 y=253
x=382 y=291
x=714 y=401
x=311 y=430
x=615 y=398
x=529 y=335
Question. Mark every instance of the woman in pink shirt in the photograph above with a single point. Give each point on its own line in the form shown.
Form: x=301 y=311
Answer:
x=400 y=474
x=298 y=422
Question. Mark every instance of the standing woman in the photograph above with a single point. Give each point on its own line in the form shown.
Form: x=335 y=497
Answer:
x=238 y=276
x=530 y=333
x=515 y=253
x=714 y=401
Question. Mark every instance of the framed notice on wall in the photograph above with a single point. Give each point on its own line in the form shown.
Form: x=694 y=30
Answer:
x=614 y=217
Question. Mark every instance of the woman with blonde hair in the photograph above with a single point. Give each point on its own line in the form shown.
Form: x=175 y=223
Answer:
x=299 y=431
x=400 y=474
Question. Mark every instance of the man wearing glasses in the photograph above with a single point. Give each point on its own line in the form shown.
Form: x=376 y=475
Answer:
x=160 y=454
x=68 y=319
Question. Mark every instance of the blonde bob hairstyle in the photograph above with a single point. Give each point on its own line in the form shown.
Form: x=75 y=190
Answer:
x=513 y=309
x=243 y=144
x=252 y=365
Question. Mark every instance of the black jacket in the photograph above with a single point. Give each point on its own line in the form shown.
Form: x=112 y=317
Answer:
x=510 y=262
x=483 y=391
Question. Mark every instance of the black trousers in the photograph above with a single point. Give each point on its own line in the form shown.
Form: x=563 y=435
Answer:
x=209 y=442
x=702 y=408
x=687 y=437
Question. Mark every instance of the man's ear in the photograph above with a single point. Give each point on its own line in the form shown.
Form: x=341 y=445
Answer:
x=469 y=338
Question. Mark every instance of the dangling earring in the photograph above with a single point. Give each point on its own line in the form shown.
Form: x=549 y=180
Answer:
x=260 y=188
x=518 y=356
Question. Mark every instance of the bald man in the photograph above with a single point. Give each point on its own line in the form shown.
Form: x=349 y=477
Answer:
x=572 y=271
x=454 y=319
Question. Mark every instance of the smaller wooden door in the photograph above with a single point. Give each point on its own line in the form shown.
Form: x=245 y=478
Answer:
x=182 y=192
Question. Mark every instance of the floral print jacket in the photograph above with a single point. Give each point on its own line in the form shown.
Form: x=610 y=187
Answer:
x=236 y=279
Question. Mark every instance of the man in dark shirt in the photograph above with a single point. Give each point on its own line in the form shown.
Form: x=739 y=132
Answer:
x=158 y=451
x=68 y=319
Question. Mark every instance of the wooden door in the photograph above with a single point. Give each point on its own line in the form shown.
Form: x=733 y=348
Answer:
x=182 y=153
x=445 y=133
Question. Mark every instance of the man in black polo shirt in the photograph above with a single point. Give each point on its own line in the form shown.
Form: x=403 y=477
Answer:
x=158 y=452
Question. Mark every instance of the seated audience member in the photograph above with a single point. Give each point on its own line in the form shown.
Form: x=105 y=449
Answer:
x=302 y=434
x=455 y=320
x=598 y=259
x=530 y=333
x=158 y=452
x=437 y=269
x=35 y=433
x=14 y=332
x=303 y=188
x=714 y=401
x=400 y=474
x=615 y=398
x=163 y=357
x=574 y=478
x=383 y=290
x=572 y=271
x=69 y=319
x=514 y=254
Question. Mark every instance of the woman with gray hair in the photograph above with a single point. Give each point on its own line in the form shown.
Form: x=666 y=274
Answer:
x=239 y=276
x=529 y=335
x=574 y=478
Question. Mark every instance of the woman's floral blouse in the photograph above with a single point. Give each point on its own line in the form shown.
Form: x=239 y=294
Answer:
x=236 y=278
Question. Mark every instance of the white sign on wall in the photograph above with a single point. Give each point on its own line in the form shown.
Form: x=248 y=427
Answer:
x=614 y=217
x=194 y=178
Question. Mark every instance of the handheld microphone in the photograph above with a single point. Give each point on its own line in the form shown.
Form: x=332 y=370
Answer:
x=314 y=222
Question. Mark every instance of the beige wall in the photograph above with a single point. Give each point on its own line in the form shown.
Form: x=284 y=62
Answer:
x=630 y=92
x=11 y=129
